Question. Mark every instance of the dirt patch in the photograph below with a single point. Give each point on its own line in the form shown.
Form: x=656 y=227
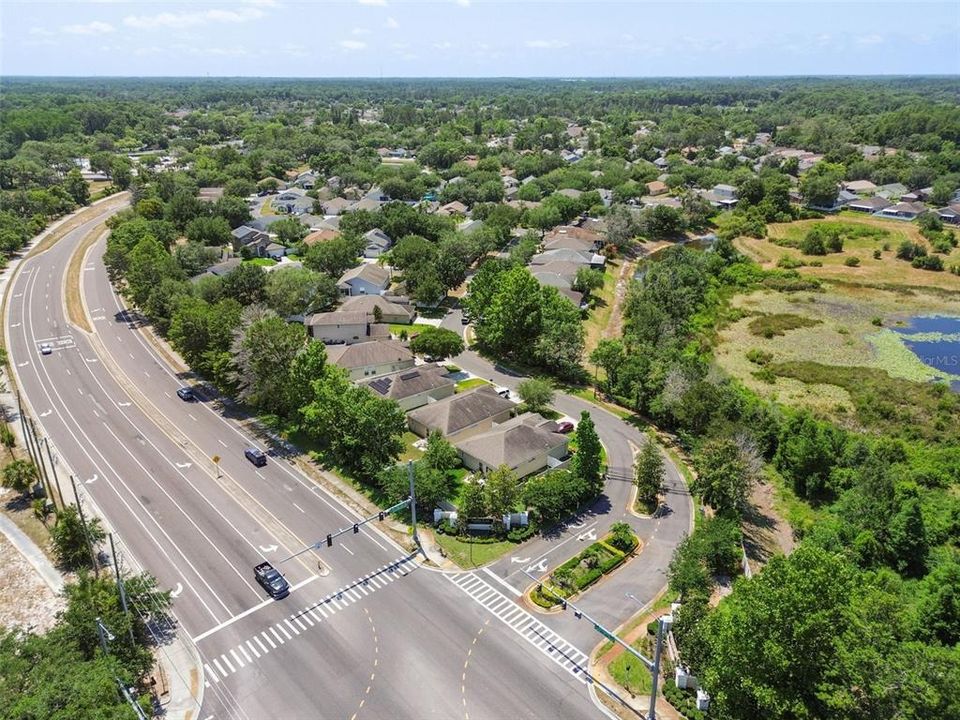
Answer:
x=26 y=602
x=765 y=532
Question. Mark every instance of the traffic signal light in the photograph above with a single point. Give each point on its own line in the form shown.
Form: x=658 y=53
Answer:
x=539 y=587
x=380 y=516
x=577 y=614
x=356 y=528
x=329 y=540
x=563 y=604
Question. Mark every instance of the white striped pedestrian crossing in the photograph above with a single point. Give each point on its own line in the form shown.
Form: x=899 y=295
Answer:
x=290 y=627
x=524 y=624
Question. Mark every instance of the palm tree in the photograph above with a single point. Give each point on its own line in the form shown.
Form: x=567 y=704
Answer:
x=20 y=475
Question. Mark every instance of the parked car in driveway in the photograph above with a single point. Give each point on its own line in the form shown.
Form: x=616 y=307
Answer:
x=255 y=455
x=565 y=427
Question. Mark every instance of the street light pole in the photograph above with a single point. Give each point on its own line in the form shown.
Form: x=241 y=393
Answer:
x=413 y=503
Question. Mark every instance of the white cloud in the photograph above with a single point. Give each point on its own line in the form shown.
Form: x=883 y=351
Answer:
x=91 y=28
x=180 y=20
x=463 y=3
x=360 y=31
x=352 y=44
x=546 y=44
x=866 y=40
x=392 y=23
x=41 y=32
x=445 y=45
x=379 y=3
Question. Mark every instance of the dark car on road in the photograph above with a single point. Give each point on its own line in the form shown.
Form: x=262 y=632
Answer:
x=256 y=456
x=273 y=582
x=186 y=394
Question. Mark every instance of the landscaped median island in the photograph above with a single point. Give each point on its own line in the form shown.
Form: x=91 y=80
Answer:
x=584 y=569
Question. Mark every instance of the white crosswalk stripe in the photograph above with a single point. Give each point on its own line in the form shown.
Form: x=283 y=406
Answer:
x=524 y=624
x=287 y=630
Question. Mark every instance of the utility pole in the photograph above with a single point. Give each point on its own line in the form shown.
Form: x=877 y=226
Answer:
x=83 y=523
x=413 y=503
x=103 y=632
x=43 y=468
x=56 y=478
x=120 y=587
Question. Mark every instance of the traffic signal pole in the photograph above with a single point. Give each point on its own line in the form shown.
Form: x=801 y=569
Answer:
x=652 y=665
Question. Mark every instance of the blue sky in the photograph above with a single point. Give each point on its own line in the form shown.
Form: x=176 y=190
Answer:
x=476 y=38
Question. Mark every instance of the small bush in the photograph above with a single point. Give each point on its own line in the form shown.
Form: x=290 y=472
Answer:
x=789 y=263
x=778 y=324
x=877 y=321
x=928 y=262
x=758 y=356
x=852 y=261
x=876 y=255
x=522 y=533
x=766 y=375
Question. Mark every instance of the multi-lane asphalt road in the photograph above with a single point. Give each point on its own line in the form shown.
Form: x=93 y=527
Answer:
x=371 y=635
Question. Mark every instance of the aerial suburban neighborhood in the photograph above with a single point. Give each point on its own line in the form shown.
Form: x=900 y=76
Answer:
x=567 y=367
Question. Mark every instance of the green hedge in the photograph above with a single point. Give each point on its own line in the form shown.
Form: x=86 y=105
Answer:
x=683 y=701
x=587 y=577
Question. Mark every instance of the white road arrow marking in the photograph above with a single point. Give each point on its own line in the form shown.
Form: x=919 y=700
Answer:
x=93 y=360
x=23 y=364
x=15 y=325
x=268 y=548
x=577 y=526
x=590 y=534
x=538 y=567
x=515 y=559
x=176 y=591
x=45 y=413
x=184 y=465
x=120 y=404
x=93 y=479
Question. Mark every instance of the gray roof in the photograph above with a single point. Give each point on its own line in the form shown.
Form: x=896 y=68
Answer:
x=553 y=280
x=374 y=274
x=336 y=319
x=459 y=412
x=872 y=203
x=374 y=352
x=514 y=442
x=377 y=238
x=366 y=304
x=566 y=255
x=414 y=381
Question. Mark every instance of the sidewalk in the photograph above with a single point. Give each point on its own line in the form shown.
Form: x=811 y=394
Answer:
x=32 y=553
x=179 y=678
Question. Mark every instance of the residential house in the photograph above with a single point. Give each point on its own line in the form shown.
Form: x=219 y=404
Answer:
x=368 y=203
x=452 y=208
x=376 y=243
x=371 y=359
x=415 y=387
x=526 y=444
x=393 y=309
x=470 y=226
x=571 y=193
x=587 y=258
x=606 y=196
x=573 y=238
x=275 y=250
x=264 y=222
x=250 y=240
x=337 y=206
x=365 y=279
x=892 y=191
x=661 y=162
x=869 y=204
x=843 y=199
x=288 y=199
x=860 y=187
x=220 y=269
x=462 y=415
x=320 y=236
x=560 y=267
x=338 y=327
x=307 y=180
x=656 y=187
x=904 y=210
x=950 y=214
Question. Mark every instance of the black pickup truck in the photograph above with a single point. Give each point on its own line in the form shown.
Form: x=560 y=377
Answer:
x=273 y=582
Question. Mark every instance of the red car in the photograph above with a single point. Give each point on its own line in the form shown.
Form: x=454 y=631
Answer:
x=565 y=427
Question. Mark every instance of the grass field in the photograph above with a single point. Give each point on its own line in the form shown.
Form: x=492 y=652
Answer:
x=630 y=673
x=469 y=384
x=841 y=332
x=470 y=555
x=599 y=317
x=884 y=271
x=262 y=262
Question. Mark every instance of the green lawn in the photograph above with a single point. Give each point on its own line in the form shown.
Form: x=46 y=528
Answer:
x=397 y=328
x=630 y=673
x=470 y=555
x=263 y=262
x=410 y=453
x=465 y=385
